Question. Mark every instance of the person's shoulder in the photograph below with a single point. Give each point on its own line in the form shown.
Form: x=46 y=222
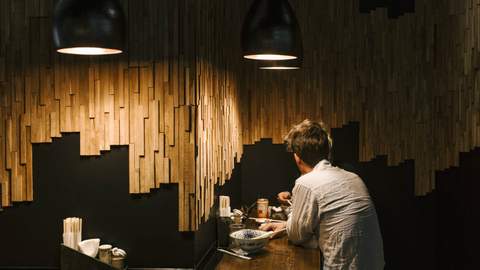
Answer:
x=349 y=174
x=339 y=172
x=309 y=180
x=316 y=179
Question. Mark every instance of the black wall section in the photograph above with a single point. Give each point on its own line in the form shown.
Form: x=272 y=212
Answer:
x=95 y=189
x=458 y=214
x=266 y=170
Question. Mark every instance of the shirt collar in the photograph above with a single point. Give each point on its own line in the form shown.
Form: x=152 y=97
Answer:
x=323 y=164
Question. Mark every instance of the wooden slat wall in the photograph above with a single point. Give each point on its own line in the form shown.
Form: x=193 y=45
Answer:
x=219 y=138
x=412 y=82
x=184 y=102
x=147 y=99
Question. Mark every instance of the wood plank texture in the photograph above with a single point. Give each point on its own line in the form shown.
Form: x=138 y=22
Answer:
x=146 y=99
x=185 y=102
x=410 y=82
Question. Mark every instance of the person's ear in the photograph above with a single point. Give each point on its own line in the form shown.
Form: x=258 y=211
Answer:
x=297 y=159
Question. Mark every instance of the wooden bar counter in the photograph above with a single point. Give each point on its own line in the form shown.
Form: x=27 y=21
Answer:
x=277 y=254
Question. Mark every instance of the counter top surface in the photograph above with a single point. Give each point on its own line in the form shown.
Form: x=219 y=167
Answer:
x=277 y=254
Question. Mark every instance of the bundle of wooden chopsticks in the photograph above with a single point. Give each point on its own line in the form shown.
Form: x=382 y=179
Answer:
x=72 y=232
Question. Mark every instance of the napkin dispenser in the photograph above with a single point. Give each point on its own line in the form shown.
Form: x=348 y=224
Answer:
x=224 y=206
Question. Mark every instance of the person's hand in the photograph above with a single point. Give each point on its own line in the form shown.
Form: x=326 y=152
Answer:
x=284 y=196
x=273 y=226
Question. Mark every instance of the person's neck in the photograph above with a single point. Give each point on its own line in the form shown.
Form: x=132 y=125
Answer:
x=304 y=169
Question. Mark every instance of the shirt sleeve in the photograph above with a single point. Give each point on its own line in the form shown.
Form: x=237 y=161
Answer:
x=303 y=219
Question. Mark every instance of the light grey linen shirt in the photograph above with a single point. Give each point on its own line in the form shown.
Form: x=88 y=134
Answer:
x=332 y=210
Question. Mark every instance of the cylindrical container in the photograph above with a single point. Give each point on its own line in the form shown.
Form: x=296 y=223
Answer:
x=237 y=219
x=262 y=208
x=105 y=253
x=118 y=262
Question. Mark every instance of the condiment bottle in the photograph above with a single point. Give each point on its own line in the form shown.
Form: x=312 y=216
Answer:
x=262 y=208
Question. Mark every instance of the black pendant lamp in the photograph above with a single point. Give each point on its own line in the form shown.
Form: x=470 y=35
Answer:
x=89 y=27
x=271 y=31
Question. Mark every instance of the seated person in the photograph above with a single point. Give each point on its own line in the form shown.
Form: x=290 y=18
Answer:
x=331 y=208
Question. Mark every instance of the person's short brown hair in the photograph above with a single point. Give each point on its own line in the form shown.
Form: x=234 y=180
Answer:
x=310 y=141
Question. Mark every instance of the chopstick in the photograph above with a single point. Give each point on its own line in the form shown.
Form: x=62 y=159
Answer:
x=266 y=220
x=234 y=254
x=72 y=232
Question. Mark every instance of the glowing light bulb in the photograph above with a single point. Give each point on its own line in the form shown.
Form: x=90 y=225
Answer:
x=89 y=51
x=270 y=57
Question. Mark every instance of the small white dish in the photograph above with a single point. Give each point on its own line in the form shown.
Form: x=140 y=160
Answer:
x=89 y=247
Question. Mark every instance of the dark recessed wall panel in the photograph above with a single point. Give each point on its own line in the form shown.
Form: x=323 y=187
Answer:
x=95 y=189
x=266 y=170
x=458 y=214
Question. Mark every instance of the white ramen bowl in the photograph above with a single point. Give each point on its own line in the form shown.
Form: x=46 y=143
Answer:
x=244 y=239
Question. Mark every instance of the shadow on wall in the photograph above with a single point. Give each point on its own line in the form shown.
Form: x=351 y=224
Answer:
x=437 y=231
x=96 y=189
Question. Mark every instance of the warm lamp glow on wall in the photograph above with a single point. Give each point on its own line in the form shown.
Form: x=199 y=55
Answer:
x=89 y=27
x=271 y=32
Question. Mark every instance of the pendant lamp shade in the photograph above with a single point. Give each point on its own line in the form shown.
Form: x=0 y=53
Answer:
x=271 y=31
x=89 y=27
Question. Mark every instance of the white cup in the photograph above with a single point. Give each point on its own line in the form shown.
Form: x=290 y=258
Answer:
x=105 y=253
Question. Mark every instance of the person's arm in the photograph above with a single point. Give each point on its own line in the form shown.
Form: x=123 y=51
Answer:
x=304 y=217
